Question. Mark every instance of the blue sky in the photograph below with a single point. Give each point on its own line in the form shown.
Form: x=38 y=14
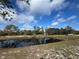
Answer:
x=43 y=13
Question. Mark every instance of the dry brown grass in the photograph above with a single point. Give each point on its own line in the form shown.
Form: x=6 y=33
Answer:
x=67 y=49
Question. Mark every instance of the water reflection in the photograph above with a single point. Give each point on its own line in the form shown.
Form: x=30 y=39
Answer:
x=28 y=42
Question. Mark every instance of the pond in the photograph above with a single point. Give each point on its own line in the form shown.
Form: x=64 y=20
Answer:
x=25 y=42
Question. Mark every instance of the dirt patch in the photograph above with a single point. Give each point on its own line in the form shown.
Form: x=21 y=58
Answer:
x=53 y=40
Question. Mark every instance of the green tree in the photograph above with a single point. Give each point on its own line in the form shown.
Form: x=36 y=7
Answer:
x=27 y=32
x=11 y=30
x=51 y=31
x=5 y=9
x=63 y=31
x=69 y=30
x=11 y=27
x=38 y=30
x=6 y=3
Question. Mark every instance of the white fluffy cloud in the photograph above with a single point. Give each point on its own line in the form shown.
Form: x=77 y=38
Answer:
x=40 y=6
x=55 y=23
x=71 y=18
x=22 y=5
x=22 y=18
x=57 y=4
x=37 y=7
x=45 y=7
x=24 y=21
x=61 y=20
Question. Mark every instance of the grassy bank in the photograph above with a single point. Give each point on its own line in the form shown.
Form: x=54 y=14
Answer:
x=67 y=49
x=63 y=37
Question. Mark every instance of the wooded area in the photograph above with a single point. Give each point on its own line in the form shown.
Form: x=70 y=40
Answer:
x=14 y=30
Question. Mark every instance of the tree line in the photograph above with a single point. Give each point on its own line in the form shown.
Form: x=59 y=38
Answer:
x=14 y=30
x=61 y=31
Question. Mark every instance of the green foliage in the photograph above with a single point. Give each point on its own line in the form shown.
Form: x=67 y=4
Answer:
x=66 y=30
x=27 y=1
x=11 y=27
x=6 y=3
x=2 y=33
x=28 y=32
x=51 y=31
x=13 y=30
x=38 y=30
